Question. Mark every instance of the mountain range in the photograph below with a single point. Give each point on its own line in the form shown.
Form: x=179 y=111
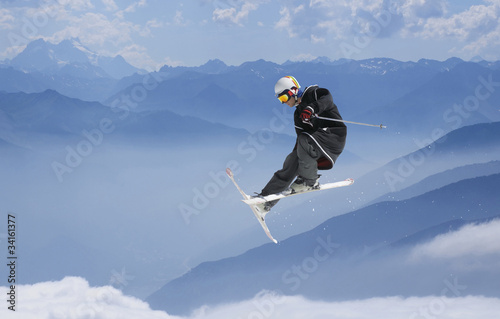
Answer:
x=25 y=118
x=402 y=95
x=68 y=67
x=292 y=266
x=415 y=100
x=114 y=170
x=70 y=57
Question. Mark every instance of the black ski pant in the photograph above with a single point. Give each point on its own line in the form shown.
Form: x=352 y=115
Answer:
x=301 y=161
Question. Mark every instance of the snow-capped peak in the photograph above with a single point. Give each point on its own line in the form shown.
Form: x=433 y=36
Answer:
x=50 y=58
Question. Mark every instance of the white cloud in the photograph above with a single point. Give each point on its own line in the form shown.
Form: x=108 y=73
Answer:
x=422 y=9
x=96 y=28
x=73 y=298
x=478 y=20
x=303 y=57
x=138 y=56
x=232 y=15
x=473 y=31
x=76 y=4
x=154 y=23
x=469 y=241
x=103 y=33
x=316 y=39
x=179 y=19
x=320 y=19
x=131 y=8
x=110 y=5
x=135 y=5
x=170 y=62
x=341 y=19
x=269 y=306
x=478 y=28
x=100 y=30
x=286 y=22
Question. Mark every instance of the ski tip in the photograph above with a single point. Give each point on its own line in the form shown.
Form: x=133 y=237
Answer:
x=229 y=172
x=350 y=180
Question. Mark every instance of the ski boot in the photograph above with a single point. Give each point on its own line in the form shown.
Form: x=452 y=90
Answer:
x=301 y=184
x=264 y=208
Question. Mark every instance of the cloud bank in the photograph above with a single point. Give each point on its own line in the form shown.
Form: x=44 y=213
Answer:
x=473 y=240
x=477 y=28
x=388 y=308
x=72 y=297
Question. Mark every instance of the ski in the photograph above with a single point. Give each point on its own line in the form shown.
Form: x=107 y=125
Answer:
x=268 y=198
x=260 y=217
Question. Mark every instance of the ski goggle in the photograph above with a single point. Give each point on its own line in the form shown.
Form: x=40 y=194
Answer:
x=285 y=96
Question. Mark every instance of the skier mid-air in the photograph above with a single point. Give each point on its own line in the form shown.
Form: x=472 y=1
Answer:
x=320 y=138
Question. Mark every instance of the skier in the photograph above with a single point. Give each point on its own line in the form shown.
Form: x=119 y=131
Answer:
x=319 y=140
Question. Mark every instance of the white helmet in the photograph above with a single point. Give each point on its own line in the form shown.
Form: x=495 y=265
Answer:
x=286 y=83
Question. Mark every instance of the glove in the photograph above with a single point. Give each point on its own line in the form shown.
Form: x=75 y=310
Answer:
x=306 y=115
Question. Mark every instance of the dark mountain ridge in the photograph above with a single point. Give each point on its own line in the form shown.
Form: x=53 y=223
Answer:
x=373 y=227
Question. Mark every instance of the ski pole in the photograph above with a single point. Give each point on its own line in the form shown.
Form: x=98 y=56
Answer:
x=344 y=121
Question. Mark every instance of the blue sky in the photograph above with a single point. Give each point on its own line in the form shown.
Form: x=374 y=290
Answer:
x=152 y=33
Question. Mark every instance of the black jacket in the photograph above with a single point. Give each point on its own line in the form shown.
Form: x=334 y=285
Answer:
x=329 y=136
